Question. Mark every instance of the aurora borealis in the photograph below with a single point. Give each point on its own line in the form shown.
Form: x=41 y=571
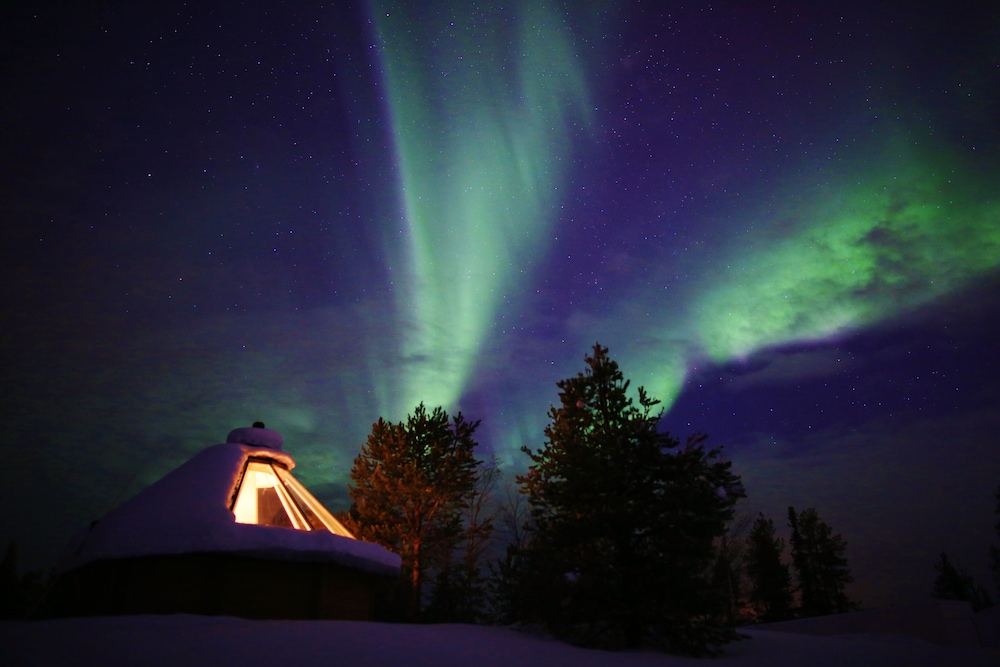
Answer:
x=901 y=239
x=479 y=172
x=783 y=221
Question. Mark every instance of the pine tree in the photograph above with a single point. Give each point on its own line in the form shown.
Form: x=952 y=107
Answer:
x=770 y=578
x=410 y=485
x=954 y=583
x=820 y=562
x=623 y=520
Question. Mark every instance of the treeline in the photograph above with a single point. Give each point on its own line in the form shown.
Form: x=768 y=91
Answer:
x=617 y=535
x=953 y=582
x=818 y=562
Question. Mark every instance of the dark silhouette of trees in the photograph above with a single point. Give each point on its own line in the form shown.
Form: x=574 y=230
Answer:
x=410 y=485
x=623 y=521
x=19 y=593
x=994 y=549
x=11 y=604
x=820 y=562
x=508 y=601
x=460 y=587
x=770 y=578
x=954 y=583
x=729 y=571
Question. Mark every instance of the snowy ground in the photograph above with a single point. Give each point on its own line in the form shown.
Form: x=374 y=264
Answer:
x=149 y=641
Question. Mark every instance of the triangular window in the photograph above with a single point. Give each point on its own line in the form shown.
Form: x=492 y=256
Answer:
x=270 y=496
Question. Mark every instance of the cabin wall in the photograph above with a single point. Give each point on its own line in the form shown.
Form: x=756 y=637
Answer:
x=218 y=584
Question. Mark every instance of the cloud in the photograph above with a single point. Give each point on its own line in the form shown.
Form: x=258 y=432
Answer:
x=771 y=367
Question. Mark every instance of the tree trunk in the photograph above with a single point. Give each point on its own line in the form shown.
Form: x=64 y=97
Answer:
x=415 y=582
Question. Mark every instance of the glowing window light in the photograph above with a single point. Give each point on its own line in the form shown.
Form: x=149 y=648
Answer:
x=316 y=515
x=270 y=496
x=264 y=501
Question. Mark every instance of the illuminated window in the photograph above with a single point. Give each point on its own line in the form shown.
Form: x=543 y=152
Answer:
x=270 y=496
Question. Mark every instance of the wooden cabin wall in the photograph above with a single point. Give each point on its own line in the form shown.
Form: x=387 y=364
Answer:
x=217 y=584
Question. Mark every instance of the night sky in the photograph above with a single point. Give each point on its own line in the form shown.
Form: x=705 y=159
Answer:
x=783 y=220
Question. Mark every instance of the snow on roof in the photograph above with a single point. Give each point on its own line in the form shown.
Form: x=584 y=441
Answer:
x=256 y=435
x=188 y=512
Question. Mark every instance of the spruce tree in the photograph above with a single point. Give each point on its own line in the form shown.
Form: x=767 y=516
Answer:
x=410 y=484
x=623 y=520
x=770 y=578
x=820 y=562
x=954 y=583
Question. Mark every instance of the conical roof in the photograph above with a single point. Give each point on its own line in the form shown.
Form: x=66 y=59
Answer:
x=235 y=497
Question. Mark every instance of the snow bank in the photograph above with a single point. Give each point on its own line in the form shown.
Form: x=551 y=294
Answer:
x=944 y=622
x=194 y=641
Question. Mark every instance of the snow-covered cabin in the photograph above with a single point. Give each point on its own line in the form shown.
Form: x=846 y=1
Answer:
x=230 y=532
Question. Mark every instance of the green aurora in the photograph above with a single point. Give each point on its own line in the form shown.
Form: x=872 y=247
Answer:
x=886 y=242
x=481 y=158
x=481 y=155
